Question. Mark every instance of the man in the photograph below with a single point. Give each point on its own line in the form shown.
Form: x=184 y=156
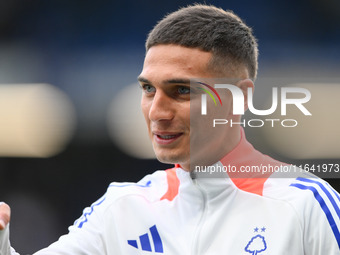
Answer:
x=175 y=211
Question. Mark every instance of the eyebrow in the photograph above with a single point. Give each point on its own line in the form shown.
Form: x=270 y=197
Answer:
x=170 y=81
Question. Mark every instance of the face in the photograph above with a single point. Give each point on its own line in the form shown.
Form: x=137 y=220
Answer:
x=165 y=81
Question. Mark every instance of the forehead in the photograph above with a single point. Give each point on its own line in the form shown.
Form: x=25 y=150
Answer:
x=174 y=61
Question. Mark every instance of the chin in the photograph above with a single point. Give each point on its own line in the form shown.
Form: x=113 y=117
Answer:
x=171 y=159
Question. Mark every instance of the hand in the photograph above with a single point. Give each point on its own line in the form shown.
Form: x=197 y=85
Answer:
x=5 y=215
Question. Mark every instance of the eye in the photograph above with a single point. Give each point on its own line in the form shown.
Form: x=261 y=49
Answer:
x=183 y=90
x=148 y=89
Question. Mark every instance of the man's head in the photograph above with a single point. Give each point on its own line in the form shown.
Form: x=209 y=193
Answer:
x=194 y=42
x=210 y=29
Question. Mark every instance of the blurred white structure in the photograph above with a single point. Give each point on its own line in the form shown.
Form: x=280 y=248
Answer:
x=316 y=136
x=126 y=123
x=36 y=120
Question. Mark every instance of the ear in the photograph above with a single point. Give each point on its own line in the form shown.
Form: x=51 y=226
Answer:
x=244 y=85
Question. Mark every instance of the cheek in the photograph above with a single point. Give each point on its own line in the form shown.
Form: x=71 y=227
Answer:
x=195 y=107
x=195 y=117
x=226 y=110
x=185 y=112
x=145 y=108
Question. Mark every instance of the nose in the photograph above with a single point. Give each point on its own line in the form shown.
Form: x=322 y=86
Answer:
x=161 y=107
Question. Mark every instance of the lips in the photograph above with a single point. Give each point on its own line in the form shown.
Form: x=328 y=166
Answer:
x=166 y=138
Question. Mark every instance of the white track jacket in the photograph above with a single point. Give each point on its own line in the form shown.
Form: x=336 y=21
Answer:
x=170 y=212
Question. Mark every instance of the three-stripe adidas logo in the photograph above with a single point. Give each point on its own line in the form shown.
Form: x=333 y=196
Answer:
x=144 y=241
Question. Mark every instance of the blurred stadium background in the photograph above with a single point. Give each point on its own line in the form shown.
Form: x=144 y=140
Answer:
x=68 y=98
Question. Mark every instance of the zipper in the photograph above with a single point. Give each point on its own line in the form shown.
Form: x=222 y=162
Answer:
x=195 y=243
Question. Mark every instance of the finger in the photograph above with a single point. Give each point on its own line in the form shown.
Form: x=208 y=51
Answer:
x=5 y=215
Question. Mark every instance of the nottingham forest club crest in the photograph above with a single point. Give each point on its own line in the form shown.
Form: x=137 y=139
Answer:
x=257 y=243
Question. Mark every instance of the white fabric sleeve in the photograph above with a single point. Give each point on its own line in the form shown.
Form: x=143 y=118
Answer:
x=5 y=246
x=85 y=237
x=322 y=222
x=85 y=240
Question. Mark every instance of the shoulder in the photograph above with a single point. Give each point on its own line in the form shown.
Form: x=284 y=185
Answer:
x=160 y=185
x=152 y=187
x=316 y=204
x=309 y=195
x=299 y=186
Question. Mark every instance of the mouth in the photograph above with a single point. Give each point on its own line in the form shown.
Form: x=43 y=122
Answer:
x=166 y=138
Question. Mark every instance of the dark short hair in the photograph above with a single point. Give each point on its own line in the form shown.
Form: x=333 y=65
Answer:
x=210 y=29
